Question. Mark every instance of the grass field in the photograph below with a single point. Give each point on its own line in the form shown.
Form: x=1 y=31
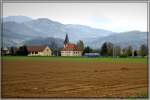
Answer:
x=74 y=77
x=82 y=59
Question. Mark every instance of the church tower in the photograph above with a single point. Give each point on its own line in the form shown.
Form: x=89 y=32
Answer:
x=66 y=40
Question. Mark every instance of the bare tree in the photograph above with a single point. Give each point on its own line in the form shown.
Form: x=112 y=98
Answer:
x=143 y=50
x=80 y=45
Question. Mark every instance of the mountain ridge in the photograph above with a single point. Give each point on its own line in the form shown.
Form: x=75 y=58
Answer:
x=44 y=27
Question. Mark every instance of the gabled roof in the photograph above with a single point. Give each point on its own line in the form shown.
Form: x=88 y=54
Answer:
x=35 y=48
x=70 y=47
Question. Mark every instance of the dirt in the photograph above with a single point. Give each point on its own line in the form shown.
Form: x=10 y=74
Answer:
x=73 y=79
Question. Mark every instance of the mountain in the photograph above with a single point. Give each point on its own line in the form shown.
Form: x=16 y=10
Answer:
x=28 y=31
x=133 y=38
x=20 y=29
x=47 y=27
x=15 y=33
x=85 y=32
x=17 y=19
x=56 y=29
x=25 y=29
x=12 y=40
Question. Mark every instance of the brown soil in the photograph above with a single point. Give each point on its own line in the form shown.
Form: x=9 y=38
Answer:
x=73 y=79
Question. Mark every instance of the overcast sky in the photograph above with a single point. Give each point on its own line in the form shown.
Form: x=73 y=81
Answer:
x=116 y=17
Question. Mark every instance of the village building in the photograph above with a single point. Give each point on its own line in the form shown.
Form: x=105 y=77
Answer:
x=70 y=49
x=91 y=54
x=5 y=51
x=39 y=51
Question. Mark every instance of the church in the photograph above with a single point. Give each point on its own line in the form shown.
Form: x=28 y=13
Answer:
x=70 y=49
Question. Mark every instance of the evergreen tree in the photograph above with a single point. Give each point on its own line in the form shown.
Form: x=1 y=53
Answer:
x=135 y=53
x=104 y=50
x=22 y=51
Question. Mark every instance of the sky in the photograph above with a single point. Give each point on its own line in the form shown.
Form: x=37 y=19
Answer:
x=116 y=17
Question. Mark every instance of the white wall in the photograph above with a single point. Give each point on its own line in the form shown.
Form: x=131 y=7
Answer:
x=71 y=53
x=46 y=52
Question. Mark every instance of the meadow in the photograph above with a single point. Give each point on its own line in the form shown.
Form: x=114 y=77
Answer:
x=81 y=59
x=74 y=77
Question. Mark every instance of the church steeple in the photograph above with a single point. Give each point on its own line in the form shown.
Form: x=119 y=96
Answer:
x=66 y=40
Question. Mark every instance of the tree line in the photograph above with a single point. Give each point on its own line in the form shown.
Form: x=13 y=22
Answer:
x=107 y=49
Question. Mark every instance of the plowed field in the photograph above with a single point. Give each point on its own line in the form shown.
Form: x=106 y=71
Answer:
x=73 y=79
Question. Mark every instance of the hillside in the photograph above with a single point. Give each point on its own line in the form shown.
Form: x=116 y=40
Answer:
x=134 y=38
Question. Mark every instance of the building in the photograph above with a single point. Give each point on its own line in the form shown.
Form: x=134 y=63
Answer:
x=39 y=51
x=70 y=49
x=5 y=51
x=92 y=54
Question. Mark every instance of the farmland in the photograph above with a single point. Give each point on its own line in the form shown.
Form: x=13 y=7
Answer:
x=74 y=77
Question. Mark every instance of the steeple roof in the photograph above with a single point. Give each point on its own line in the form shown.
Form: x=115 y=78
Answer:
x=70 y=47
x=66 y=39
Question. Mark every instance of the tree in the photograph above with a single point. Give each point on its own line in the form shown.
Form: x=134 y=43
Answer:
x=80 y=45
x=104 y=50
x=57 y=52
x=117 y=51
x=124 y=52
x=11 y=50
x=87 y=50
x=129 y=51
x=53 y=45
x=135 y=53
x=22 y=51
x=143 y=50
x=109 y=49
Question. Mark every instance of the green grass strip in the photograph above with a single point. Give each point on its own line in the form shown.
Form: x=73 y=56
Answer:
x=78 y=59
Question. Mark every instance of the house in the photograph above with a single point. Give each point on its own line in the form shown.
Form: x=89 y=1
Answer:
x=39 y=51
x=70 y=49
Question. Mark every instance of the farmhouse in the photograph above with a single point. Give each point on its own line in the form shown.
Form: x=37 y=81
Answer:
x=39 y=51
x=70 y=49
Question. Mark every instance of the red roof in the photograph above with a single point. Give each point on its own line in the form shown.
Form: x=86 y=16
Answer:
x=70 y=47
x=35 y=48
